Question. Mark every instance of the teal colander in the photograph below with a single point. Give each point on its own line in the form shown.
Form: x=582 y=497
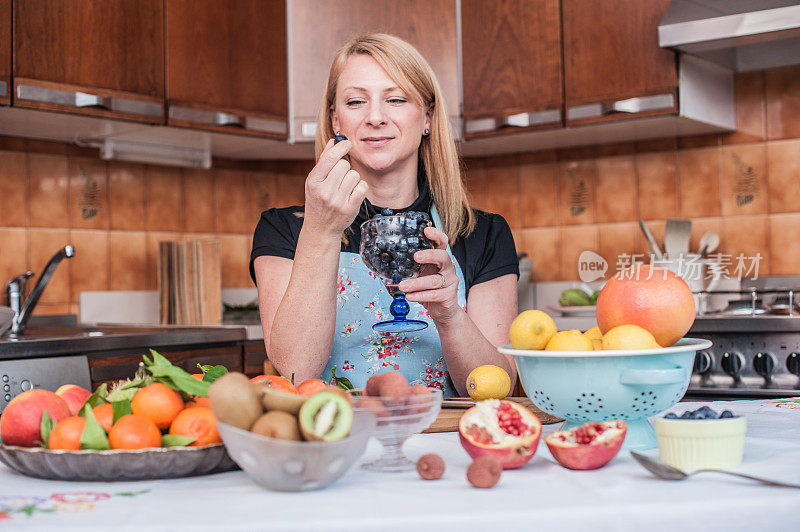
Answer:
x=628 y=384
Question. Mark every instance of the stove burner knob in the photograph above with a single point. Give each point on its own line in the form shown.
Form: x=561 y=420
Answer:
x=702 y=362
x=793 y=363
x=764 y=365
x=732 y=364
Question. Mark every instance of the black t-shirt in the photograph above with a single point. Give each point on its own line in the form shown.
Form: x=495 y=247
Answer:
x=486 y=253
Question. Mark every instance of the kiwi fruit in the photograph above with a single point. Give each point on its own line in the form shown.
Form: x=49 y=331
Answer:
x=272 y=399
x=326 y=416
x=234 y=400
x=277 y=424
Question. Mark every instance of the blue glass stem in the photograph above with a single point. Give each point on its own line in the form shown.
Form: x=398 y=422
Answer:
x=399 y=307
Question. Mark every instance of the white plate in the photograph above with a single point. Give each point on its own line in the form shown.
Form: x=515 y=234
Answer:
x=580 y=310
x=681 y=346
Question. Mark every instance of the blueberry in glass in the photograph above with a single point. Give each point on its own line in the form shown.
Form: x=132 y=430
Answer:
x=388 y=244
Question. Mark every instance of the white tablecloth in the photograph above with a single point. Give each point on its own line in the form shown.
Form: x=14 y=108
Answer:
x=540 y=496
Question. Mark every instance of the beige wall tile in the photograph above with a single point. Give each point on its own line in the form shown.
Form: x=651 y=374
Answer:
x=502 y=193
x=48 y=180
x=574 y=241
x=746 y=236
x=576 y=192
x=656 y=183
x=783 y=102
x=13 y=254
x=44 y=243
x=263 y=194
x=164 y=199
x=232 y=202
x=616 y=189
x=744 y=179
x=199 y=205
x=543 y=246
x=750 y=109
x=475 y=181
x=698 y=177
x=235 y=251
x=617 y=244
x=13 y=189
x=291 y=188
x=784 y=253
x=126 y=196
x=539 y=200
x=127 y=260
x=783 y=159
x=89 y=266
x=88 y=193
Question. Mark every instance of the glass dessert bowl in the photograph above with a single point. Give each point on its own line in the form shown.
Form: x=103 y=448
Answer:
x=398 y=418
x=388 y=244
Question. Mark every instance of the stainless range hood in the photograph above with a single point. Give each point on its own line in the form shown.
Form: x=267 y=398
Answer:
x=742 y=35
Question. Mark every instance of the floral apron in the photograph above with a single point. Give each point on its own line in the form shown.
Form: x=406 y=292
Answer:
x=359 y=352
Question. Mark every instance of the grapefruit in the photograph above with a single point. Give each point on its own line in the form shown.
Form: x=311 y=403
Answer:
x=652 y=298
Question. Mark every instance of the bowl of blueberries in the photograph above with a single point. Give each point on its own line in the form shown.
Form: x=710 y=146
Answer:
x=388 y=244
x=701 y=439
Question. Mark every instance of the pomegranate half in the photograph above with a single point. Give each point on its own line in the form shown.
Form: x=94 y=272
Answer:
x=590 y=446
x=504 y=430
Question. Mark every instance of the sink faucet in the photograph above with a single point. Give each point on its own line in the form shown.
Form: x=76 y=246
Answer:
x=15 y=291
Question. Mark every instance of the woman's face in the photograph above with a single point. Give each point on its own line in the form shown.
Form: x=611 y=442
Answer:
x=383 y=124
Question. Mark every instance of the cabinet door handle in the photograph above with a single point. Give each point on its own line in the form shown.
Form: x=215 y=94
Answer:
x=80 y=99
x=549 y=116
x=628 y=105
x=216 y=118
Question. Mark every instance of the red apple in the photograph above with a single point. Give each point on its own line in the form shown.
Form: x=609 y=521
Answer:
x=74 y=396
x=21 y=421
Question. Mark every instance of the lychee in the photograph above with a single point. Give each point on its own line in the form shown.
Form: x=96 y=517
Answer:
x=484 y=472
x=430 y=466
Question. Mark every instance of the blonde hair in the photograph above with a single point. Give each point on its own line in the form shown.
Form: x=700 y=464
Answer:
x=437 y=151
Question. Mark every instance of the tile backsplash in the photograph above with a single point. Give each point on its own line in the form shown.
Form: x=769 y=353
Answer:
x=744 y=185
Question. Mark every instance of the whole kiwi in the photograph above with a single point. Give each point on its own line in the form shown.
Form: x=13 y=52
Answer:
x=234 y=400
x=277 y=400
x=277 y=424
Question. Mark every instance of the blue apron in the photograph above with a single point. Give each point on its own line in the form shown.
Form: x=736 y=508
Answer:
x=359 y=352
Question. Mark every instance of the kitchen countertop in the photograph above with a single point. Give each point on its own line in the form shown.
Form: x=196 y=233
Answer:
x=540 y=496
x=53 y=341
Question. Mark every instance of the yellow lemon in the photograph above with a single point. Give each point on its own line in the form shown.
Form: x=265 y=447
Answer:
x=629 y=337
x=488 y=382
x=593 y=333
x=532 y=329
x=572 y=340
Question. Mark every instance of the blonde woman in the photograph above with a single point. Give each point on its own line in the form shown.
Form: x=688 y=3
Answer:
x=317 y=299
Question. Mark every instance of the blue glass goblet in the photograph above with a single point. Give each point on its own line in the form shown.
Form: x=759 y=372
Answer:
x=388 y=244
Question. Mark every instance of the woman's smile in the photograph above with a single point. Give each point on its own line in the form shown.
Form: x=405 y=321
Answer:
x=376 y=142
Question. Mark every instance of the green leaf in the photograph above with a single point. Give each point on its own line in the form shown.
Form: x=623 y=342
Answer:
x=121 y=408
x=175 y=440
x=214 y=373
x=342 y=382
x=159 y=359
x=204 y=367
x=292 y=379
x=93 y=437
x=46 y=426
x=131 y=493
x=179 y=380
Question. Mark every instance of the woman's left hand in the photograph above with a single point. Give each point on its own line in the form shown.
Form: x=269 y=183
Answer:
x=437 y=286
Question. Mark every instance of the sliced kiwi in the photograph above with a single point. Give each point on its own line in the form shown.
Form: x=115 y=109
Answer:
x=272 y=399
x=326 y=416
x=277 y=424
x=234 y=400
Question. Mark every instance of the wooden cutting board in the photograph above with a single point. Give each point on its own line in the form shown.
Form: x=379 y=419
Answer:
x=448 y=418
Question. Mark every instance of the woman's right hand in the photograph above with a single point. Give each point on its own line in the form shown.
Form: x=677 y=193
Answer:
x=334 y=192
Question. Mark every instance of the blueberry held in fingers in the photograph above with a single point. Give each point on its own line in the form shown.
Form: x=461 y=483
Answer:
x=339 y=138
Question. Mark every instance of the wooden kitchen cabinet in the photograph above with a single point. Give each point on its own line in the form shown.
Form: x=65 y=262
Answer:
x=5 y=52
x=511 y=65
x=319 y=29
x=613 y=66
x=95 y=57
x=227 y=66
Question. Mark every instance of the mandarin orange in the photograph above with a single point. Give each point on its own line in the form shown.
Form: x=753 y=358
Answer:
x=134 y=432
x=158 y=402
x=196 y=422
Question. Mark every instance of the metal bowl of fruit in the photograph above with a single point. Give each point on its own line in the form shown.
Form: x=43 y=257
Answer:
x=622 y=384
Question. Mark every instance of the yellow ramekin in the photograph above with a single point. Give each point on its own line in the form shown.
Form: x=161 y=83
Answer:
x=701 y=443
